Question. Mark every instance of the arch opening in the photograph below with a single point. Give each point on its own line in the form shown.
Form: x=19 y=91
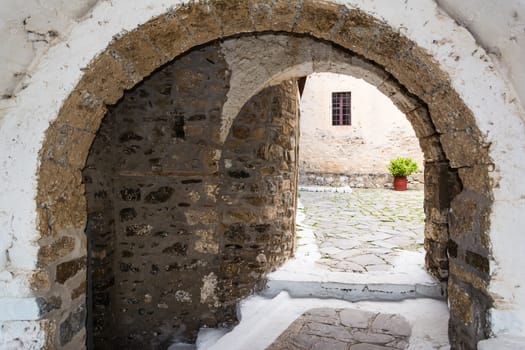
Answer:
x=87 y=103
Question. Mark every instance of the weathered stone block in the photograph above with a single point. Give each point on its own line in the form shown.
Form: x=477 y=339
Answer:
x=168 y=36
x=449 y=113
x=201 y=21
x=476 y=178
x=82 y=110
x=436 y=258
x=484 y=226
x=161 y=195
x=452 y=249
x=239 y=174
x=40 y=281
x=68 y=146
x=463 y=216
x=465 y=149
x=235 y=16
x=72 y=325
x=261 y=11
x=130 y=194
x=271 y=152
x=138 y=230
x=356 y=32
x=414 y=68
x=236 y=233
x=436 y=232
x=422 y=124
x=477 y=261
x=68 y=269
x=138 y=53
x=106 y=79
x=177 y=248
x=56 y=250
x=432 y=149
x=127 y=214
x=318 y=18
x=460 y=303
x=63 y=215
x=48 y=304
x=79 y=291
x=240 y=132
x=462 y=274
x=240 y=215
x=283 y=14
x=442 y=184
x=61 y=182
x=207 y=243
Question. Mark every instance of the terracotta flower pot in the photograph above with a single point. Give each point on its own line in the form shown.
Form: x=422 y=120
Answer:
x=400 y=183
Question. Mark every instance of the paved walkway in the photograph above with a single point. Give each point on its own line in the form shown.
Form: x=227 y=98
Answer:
x=364 y=244
x=357 y=281
x=364 y=230
x=345 y=329
x=365 y=237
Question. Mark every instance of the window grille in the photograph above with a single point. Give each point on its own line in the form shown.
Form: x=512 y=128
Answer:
x=341 y=108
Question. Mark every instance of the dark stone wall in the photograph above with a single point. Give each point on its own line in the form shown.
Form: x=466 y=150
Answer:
x=469 y=268
x=258 y=191
x=178 y=234
x=100 y=229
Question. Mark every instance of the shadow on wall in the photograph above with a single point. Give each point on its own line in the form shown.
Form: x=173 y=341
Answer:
x=178 y=234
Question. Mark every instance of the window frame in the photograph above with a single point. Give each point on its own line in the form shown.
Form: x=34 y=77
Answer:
x=341 y=108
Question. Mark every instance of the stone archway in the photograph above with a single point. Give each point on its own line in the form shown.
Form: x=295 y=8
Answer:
x=133 y=56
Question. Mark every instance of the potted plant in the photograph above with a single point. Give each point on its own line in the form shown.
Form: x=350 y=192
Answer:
x=400 y=168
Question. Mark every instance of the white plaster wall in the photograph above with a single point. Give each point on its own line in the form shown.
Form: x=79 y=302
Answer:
x=499 y=26
x=27 y=29
x=379 y=131
x=487 y=91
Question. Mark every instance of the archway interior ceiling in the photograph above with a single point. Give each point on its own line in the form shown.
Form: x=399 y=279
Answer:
x=456 y=172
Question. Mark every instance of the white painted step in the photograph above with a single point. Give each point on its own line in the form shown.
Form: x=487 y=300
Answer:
x=263 y=320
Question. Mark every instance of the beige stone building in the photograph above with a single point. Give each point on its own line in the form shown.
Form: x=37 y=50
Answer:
x=356 y=150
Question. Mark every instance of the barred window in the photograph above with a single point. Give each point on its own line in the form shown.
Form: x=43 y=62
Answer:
x=341 y=112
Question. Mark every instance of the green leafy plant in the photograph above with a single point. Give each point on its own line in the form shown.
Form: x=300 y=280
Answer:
x=402 y=166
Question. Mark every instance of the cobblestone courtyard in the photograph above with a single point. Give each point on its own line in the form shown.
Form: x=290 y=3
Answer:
x=364 y=230
x=360 y=232
x=357 y=281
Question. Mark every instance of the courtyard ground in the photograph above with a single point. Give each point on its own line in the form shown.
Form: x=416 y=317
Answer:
x=357 y=280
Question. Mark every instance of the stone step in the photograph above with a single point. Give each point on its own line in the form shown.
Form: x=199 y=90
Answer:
x=269 y=314
x=264 y=319
x=353 y=291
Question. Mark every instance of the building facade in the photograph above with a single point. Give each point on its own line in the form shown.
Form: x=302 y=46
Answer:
x=351 y=147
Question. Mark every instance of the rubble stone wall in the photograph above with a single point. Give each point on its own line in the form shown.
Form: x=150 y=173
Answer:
x=177 y=236
x=439 y=77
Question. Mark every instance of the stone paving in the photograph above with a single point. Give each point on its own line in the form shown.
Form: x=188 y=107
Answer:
x=344 y=329
x=362 y=231
x=365 y=230
x=353 y=238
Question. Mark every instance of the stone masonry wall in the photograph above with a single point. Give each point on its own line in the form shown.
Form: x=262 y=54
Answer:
x=176 y=239
x=148 y=270
x=451 y=108
x=98 y=178
x=258 y=191
x=415 y=180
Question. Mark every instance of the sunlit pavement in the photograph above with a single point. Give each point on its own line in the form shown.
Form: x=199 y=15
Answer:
x=359 y=253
